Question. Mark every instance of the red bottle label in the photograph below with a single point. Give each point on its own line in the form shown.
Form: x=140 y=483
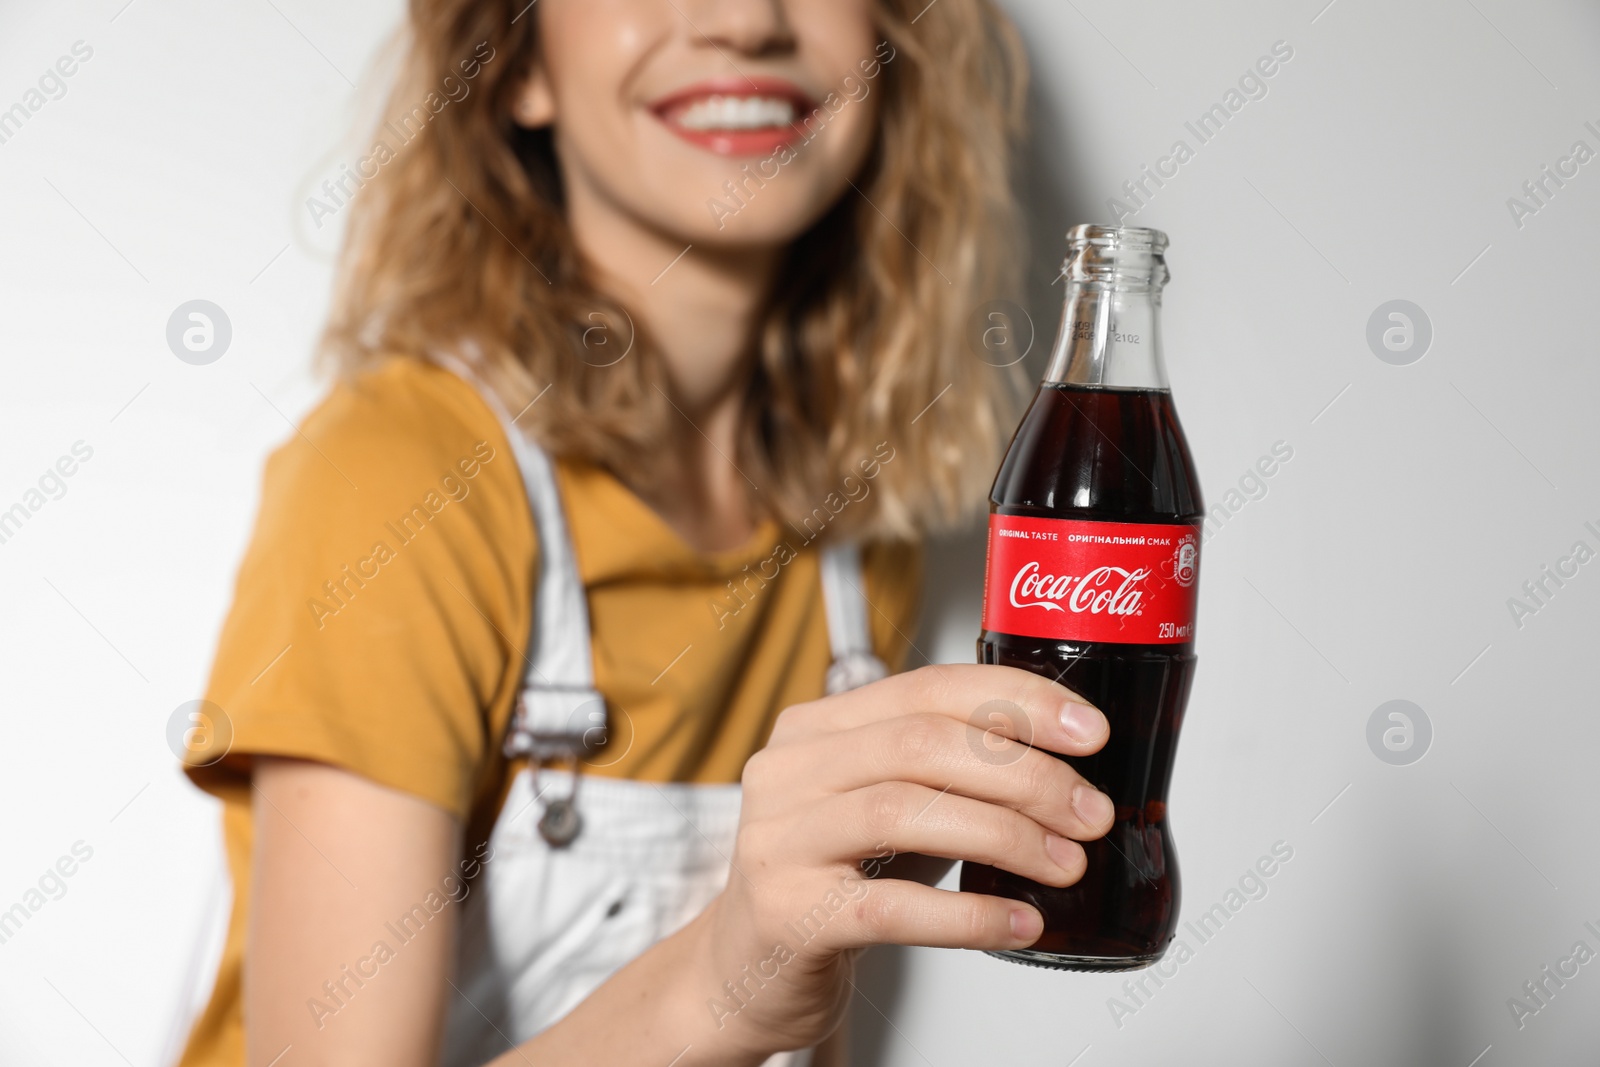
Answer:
x=1128 y=583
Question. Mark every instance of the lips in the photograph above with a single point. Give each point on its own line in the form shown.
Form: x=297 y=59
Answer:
x=736 y=116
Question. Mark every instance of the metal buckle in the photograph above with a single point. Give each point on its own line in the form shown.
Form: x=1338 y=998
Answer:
x=578 y=735
x=561 y=821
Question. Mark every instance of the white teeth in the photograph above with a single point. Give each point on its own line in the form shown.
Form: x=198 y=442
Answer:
x=737 y=113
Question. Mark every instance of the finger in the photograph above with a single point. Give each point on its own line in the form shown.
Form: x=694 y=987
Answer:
x=891 y=912
x=903 y=817
x=1015 y=703
x=949 y=755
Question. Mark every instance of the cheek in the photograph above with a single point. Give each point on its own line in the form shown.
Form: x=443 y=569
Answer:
x=589 y=48
x=836 y=33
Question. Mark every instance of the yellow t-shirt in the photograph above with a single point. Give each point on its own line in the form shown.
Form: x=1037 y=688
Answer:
x=382 y=614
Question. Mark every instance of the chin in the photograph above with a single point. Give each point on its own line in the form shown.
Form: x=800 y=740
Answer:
x=718 y=206
x=766 y=220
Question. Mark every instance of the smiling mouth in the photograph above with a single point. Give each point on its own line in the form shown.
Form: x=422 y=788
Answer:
x=730 y=113
x=736 y=118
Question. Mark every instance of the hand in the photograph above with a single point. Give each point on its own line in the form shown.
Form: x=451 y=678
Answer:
x=910 y=764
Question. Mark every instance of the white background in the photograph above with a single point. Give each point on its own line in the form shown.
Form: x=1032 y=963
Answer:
x=1377 y=567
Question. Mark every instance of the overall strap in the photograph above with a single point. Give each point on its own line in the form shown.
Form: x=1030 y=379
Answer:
x=854 y=662
x=559 y=713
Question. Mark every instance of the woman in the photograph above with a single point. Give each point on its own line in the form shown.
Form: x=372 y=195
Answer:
x=650 y=315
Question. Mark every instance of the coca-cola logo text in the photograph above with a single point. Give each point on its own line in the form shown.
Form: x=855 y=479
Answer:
x=1104 y=590
x=1128 y=583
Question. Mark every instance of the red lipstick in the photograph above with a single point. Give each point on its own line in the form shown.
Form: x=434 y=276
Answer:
x=736 y=116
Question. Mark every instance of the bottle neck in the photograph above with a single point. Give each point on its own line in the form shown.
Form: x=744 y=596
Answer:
x=1110 y=338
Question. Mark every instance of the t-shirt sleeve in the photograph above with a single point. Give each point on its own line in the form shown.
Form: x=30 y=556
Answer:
x=382 y=605
x=893 y=574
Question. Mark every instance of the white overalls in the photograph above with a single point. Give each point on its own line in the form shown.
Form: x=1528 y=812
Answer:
x=545 y=925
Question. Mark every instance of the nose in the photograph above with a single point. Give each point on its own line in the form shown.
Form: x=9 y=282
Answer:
x=749 y=27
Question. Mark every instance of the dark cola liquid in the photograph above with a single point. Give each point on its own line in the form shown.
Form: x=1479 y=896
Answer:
x=1115 y=455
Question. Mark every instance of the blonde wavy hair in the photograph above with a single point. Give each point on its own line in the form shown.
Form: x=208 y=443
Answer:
x=460 y=242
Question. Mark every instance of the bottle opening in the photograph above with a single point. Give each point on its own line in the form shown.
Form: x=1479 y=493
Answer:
x=1116 y=257
x=1134 y=238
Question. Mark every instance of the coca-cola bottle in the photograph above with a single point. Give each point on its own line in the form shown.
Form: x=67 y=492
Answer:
x=1093 y=570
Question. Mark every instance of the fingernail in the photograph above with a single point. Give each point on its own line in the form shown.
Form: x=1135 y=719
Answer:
x=1093 y=806
x=1026 y=925
x=1082 y=722
x=1068 y=855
